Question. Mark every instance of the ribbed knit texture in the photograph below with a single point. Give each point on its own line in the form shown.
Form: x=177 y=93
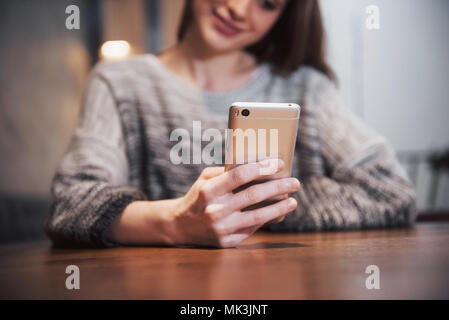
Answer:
x=120 y=152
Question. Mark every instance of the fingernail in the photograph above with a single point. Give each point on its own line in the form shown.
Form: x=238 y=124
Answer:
x=293 y=183
x=291 y=204
x=270 y=166
x=265 y=162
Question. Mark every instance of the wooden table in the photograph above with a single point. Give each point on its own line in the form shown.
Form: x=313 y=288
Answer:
x=413 y=263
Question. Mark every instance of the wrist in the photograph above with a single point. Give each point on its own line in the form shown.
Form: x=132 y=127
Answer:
x=147 y=222
x=171 y=222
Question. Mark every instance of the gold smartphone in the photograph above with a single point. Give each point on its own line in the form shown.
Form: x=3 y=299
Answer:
x=258 y=130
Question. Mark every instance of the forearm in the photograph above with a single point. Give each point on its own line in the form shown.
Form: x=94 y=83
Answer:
x=365 y=198
x=146 y=223
x=83 y=210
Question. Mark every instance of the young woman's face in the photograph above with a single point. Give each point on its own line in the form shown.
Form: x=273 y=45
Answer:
x=228 y=25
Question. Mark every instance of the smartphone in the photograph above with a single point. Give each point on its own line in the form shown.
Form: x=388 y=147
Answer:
x=258 y=130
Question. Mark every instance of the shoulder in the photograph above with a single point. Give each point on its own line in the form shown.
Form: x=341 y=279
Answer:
x=124 y=76
x=135 y=66
x=310 y=83
x=314 y=82
x=319 y=96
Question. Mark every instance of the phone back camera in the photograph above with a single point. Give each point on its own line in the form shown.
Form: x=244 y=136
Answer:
x=245 y=112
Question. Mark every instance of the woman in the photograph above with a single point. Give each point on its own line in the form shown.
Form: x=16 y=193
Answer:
x=117 y=186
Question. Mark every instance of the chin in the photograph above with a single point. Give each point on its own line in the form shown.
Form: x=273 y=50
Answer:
x=222 y=46
x=221 y=43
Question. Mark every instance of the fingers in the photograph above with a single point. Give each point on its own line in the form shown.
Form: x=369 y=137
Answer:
x=263 y=215
x=263 y=191
x=211 y=172
x=254 y=218
x=243 y=174
x=222 y=203
x=269 y=191
x=232 y=240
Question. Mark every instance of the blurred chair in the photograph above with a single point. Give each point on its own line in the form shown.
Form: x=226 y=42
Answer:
x=22 y=218
x=437 y=166
x=439 y=162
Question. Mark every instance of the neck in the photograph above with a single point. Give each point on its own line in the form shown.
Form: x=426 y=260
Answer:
x=210 y=70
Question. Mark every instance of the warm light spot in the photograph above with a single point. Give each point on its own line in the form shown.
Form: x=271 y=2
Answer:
x=115 y=49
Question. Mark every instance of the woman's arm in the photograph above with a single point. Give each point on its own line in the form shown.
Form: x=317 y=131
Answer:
x=210 y=214
x=364 y=187
x=145 y=222
x=90 y=187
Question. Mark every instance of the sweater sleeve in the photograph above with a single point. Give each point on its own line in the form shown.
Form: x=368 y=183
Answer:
x=90 y=187
x=364 y=185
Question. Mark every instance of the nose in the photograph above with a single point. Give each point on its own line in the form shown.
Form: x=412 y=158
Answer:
x=238 y=9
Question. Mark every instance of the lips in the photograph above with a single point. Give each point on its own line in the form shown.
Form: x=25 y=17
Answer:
x=223 y=25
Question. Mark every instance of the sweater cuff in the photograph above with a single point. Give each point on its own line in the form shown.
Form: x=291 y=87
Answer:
x=116 y=199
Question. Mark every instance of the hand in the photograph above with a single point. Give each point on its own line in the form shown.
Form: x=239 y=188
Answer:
x=210 y=214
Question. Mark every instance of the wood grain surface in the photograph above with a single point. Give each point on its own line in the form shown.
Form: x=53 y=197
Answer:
x=413 y=263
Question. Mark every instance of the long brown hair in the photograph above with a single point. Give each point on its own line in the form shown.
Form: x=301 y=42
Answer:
x=297 y=38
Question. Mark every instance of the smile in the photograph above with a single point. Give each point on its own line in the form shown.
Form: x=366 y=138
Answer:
x=223 y=25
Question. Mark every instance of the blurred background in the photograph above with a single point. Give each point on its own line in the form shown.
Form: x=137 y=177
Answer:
x=395 y=78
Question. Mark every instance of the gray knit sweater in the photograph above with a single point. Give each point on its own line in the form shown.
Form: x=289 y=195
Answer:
x=120 y=152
